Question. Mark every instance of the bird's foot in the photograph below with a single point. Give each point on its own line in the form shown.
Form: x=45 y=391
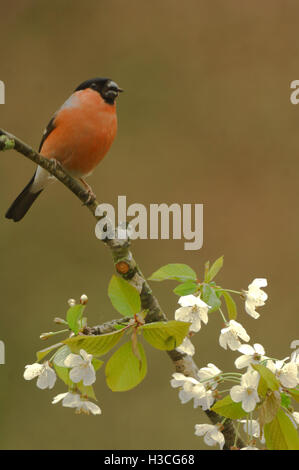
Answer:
x=55 y=164
x=91 y=195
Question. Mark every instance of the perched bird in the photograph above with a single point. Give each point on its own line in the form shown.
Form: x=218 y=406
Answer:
x=78 y=136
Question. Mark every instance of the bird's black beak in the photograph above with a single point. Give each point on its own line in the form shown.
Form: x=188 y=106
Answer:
x=111 y=91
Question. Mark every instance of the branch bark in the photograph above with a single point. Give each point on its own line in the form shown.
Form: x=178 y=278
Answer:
x=125 y=265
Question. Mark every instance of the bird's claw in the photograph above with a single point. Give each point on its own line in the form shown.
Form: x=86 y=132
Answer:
x=91 y=196
x=55 y=164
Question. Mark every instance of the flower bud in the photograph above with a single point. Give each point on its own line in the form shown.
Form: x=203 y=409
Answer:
x=60 y=321
x=83 y=299
x=46 y=335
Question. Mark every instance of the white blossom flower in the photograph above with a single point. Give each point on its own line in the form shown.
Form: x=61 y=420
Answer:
x=230 y=335
x=73 y=400
x=212 y=434
x=251 y=355
x=71 y=302
x=249 y=448
x=287 y=374
x=255 y=297
x=82 y=368
x=247 y=391
x=252 y=427
x=210 y=372
x=205 y=400
x=274 y=365
x=185 y=394
x=45 y=373
x=88 y=407
x=186 y=347
x=32 y=371
x=193 y=310
x=192 y=389
x=69 y=399
x=179 y=380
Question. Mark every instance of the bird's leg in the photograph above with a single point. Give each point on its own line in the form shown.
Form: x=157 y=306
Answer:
x=91 y=194
x=55 y=164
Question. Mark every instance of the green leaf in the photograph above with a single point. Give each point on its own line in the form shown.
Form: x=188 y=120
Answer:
x=262 y=388
x=281 y=434
x=63 y=374
x=285 y=400
x=177 y=272
x=294 y=393
x=61 y=370
x=209 y=297
x=207 y=268
x=188 y=287
x=61 y=355
x=214 y=269
x=44 y=352
x=96 y=363
x=228 y=408
x=165 y=335
x=267 y=376
x=124 y=297
x=230 y=305
x=124 y=370
x=268 y=409
x=73 y=317
x=86 y=390
x=95 y=345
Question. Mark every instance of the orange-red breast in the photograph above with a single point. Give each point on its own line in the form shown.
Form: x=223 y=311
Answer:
x=78 y=136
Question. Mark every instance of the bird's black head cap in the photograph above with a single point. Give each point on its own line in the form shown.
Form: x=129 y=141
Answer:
x=107 y=88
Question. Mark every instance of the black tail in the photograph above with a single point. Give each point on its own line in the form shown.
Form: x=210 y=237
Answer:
x=23 y=203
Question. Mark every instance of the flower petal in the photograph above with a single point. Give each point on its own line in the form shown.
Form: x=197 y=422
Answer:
x=186 y=347
x=201 y=429
x=246 y=349
x=73 y=360
x=89 y=376
x=188 y=300
x=183 y=314
x=259 y=282
x=243 y=361
x=237 y=393
x=59 y=397
x=77 y=374
x=32 y=371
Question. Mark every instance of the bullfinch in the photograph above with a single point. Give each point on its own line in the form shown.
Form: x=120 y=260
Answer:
x=78 y=136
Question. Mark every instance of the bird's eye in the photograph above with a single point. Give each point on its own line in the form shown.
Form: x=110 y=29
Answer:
x=93 y=85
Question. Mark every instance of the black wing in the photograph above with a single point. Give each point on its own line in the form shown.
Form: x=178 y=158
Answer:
x=50 y=127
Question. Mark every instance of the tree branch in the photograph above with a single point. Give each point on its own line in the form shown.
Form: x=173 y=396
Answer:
x=124 y=263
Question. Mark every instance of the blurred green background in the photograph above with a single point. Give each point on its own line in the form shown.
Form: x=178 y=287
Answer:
x=206 y=118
